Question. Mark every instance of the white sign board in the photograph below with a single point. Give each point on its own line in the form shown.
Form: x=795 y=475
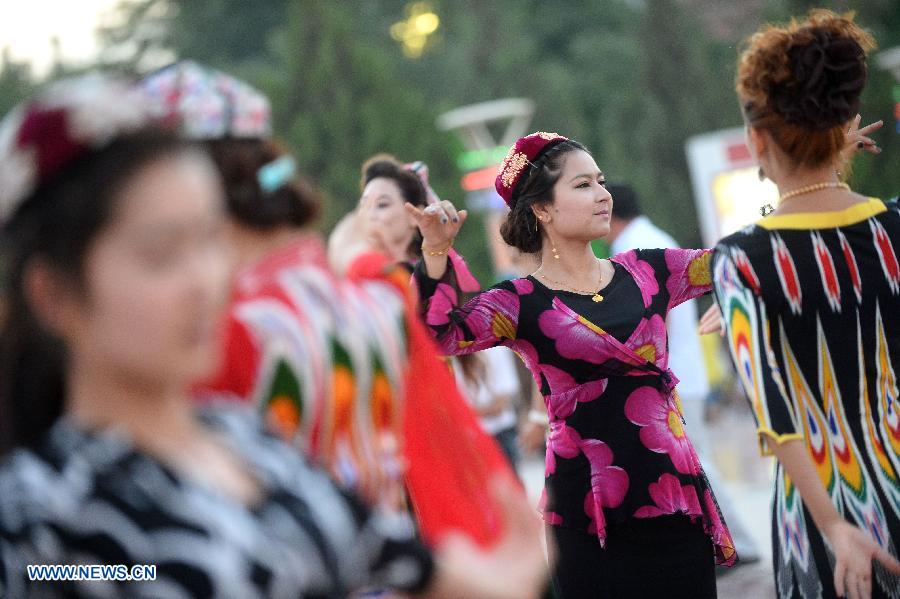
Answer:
x=727 y=190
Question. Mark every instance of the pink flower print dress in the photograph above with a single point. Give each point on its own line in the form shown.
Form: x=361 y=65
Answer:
x=618 y=447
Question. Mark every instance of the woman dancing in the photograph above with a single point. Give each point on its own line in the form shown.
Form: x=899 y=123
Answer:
x=629 y=509
x=810 y=303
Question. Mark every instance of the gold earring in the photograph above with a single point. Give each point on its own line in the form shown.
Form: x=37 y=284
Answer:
x=553 y=249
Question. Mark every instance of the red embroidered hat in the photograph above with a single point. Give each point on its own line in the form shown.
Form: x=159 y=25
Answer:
x=520 y=157
x=70 y=118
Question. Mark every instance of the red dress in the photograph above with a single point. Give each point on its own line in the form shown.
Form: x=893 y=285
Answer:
x=344 y=370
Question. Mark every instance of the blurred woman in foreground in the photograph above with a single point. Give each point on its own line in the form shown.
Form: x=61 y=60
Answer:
x=116 y=270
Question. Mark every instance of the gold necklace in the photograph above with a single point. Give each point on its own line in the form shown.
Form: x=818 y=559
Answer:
x=812 y=188
x=767 y=209
x=595 y=295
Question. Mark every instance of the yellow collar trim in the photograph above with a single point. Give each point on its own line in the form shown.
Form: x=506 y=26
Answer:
x=825 y=220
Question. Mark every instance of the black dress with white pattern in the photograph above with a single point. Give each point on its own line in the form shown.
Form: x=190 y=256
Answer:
x=87 y=497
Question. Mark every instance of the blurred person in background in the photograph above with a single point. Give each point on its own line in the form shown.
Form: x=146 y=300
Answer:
x=327 y=359
x=489 y=381
x=115 y=242
x=381 y=223
x=626 y=503
x=337 y=366
x=629 y=228
x=297 y=343
x=809 y=296
x=386 y=185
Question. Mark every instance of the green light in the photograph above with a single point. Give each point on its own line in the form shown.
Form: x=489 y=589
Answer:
x=475 y=159
x=896 y=93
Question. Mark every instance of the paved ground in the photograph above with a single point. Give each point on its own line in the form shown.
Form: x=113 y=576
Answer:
x=748 y=477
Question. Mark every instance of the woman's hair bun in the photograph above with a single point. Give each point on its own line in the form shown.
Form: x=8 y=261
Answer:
x=828 y=76
x=810 y=73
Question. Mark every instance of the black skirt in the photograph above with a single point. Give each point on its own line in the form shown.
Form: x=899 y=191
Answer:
x=668 y=557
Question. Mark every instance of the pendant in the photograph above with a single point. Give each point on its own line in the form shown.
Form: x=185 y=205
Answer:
x=766 y=210
x=597 y=298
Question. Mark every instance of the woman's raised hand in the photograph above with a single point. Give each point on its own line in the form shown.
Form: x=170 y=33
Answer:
x=439 y=223
x=858 y=139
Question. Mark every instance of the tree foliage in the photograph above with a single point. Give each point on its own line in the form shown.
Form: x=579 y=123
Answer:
x=632 y=79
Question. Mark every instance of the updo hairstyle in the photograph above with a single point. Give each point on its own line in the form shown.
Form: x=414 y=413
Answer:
x=802 y=83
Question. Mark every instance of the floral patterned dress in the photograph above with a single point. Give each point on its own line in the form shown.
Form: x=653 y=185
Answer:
x=618 y=447
x=810 y=305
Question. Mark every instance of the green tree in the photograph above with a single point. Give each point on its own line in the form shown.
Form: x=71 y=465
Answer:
x=15 y=82
x=633 y=80
x=225 y=34
x=339 y=100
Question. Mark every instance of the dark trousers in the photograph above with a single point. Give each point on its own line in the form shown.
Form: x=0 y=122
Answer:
x=667 y=556
x=509 y=443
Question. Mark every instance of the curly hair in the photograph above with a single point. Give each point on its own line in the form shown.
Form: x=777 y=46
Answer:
x=520 y=229
x=802 y=83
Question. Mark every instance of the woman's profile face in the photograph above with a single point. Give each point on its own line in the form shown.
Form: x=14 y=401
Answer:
x=157 y=275
x=582 y=206
x=385 y=217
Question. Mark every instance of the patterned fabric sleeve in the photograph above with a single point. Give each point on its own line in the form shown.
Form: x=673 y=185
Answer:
x=382 y=552
x=688 y=273
x=487 y=320
x=378 y=549
x=750 y=338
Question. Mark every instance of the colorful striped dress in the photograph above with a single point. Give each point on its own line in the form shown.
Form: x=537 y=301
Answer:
x=811 y=305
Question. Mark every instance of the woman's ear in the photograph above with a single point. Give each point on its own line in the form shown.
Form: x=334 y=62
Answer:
x=52 y=299
x=757 y=141
x=541 y=212
x=411 y=221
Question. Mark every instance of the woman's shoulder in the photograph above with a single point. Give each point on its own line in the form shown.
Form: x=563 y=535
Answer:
x=752 y=242
x=660 y=262
x=51 y=482
x=652 y=253
x=789 y=229
x=519 y=286
x=746 y=237
x=892 y=211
